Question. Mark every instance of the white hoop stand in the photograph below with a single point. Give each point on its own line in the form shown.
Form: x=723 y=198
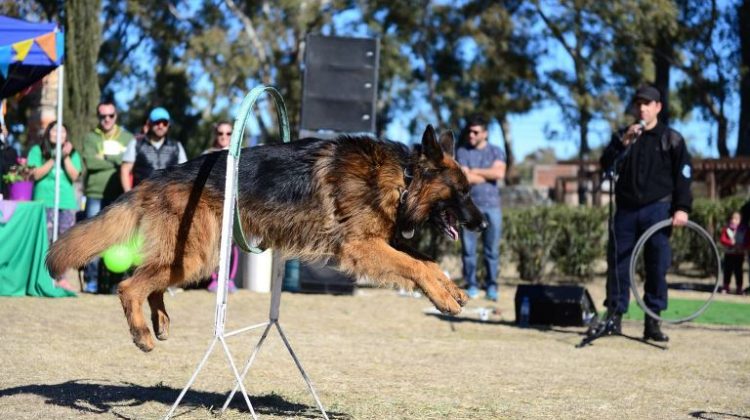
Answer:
x=220 y=334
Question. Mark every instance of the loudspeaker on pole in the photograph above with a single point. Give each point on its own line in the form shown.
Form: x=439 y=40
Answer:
x=340 y=84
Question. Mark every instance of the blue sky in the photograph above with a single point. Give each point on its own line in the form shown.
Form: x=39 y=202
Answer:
x=528 y=134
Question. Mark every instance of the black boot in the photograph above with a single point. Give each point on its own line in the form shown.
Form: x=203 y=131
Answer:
x=615 y=324
x=652 y=330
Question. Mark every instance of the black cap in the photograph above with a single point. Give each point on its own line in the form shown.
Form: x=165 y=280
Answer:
x=648 y=93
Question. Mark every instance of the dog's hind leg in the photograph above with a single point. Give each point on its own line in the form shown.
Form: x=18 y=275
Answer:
x=147 y=280
x=379 y=261
x=133 y=292
x=159 y=316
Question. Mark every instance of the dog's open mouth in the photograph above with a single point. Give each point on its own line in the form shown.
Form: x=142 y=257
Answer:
x=449 y=224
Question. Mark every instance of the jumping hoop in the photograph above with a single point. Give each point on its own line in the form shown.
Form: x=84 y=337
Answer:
x=637 y=251
x=232 y=228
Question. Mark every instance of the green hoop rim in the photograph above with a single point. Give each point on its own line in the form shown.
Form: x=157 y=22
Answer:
x=238 y=133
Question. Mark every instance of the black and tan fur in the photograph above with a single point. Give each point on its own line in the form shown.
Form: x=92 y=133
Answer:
x=348 y=198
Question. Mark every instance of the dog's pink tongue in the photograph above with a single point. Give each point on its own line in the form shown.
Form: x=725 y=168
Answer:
x=453 y=232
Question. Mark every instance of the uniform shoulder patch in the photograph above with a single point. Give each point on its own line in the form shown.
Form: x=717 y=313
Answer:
x=686 y=171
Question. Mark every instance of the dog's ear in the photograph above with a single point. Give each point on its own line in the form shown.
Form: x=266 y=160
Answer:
x=448 y=143
x=430 y=147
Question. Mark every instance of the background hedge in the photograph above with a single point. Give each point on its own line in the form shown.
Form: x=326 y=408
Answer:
x=557 y=241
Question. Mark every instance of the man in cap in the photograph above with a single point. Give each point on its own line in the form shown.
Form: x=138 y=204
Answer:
x=156 y=151
x=102 y=153
x=652 y=183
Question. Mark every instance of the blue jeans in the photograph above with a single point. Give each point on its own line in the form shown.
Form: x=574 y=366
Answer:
x=629 y=225
x=491 y=251
x=91 y=272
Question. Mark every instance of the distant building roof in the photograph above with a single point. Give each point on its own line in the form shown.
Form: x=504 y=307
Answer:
x=544 y=176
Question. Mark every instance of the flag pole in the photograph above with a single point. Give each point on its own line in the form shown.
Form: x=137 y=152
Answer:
x=58 y=152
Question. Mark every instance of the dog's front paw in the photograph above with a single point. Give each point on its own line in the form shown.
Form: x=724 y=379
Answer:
x=443 y=293
x=456 y=293
x=461 y=297
x=453 y=308
x=448 y=305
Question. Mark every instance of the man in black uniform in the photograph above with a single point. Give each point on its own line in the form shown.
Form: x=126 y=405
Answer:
x=653 y=184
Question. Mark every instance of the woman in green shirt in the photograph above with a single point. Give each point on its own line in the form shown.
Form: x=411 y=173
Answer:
x=42 y=159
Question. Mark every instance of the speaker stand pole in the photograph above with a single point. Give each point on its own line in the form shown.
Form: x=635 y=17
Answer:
x=606 y=327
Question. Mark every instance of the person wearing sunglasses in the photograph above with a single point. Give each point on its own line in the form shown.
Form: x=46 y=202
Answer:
x=156 y=151
x=484 y=165
x=102 y=152
x=222 y=137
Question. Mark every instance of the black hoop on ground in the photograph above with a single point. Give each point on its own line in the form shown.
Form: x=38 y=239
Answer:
x=637 y=251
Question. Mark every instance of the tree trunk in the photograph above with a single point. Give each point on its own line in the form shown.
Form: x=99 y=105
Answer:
x=583 y=129
x=82 y=39
x=721 y=136
x=743 y=136
x=584 y=119
x=661 y=57
x=510 y=177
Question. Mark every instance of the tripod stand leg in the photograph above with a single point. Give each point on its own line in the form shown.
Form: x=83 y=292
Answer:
x=603 y=329
x=302 y=371
x=247 y=367
x=237 y=377
x=192 y=379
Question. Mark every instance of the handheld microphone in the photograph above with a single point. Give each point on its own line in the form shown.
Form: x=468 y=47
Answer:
x=642 y=125
x=624 y=154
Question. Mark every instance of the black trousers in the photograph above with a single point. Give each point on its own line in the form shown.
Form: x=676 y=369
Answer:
x=629 y=225
x=733 y=265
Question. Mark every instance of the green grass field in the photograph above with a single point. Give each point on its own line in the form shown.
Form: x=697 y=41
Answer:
x=722 y=313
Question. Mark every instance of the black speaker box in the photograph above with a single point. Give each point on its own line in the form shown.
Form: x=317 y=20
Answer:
x=556 y=305
x=324 y=278
x=340 y=84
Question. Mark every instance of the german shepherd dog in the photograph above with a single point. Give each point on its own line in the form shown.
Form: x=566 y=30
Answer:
x=348 y=198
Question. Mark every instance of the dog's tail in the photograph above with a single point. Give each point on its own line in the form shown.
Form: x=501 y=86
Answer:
x=116 y=224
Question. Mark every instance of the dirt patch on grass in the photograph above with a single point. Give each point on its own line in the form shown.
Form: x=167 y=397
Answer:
x=374 y=355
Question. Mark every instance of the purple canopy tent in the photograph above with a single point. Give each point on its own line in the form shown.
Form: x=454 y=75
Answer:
x=28 y=52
